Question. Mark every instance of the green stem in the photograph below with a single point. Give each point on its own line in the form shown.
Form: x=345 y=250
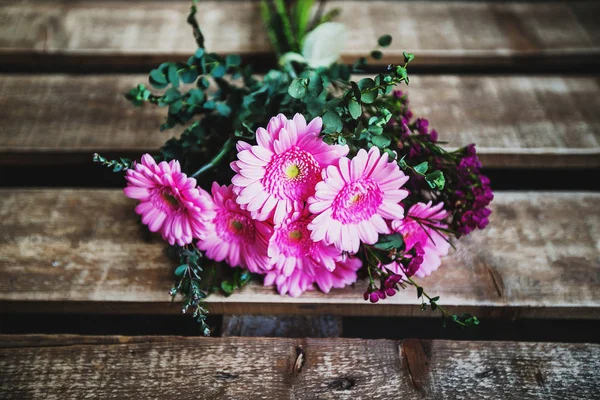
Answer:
x=442 y=310
x=228 y=145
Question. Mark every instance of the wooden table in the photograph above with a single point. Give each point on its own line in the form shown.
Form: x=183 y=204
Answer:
x=519 y=79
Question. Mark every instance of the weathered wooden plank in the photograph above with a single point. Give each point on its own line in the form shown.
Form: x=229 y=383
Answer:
x=82 y=251
x=269 y=368
x=516 y=121
x=117 y=35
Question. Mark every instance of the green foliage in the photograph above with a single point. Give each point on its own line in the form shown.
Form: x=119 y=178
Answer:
x=119 y=165
x=390 y=242
x=239 y=280
x=436 y=180
x=384 y=40
x=189 y=283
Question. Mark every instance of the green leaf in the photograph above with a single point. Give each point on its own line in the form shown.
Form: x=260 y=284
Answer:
x=172 y=94
x=355 y=109
x=421 y=168
x=408 y=57
x=173 y=76
x=223 y=109
x=157 y=79
x=175 y=107
x=179 y=271
x=227 y=287
x=401 y=72
x=436 y=180
x=434 y=299
x=419 y=292
x=332 y=122
x=315 y=85
x=403 y=163
x=390 y=242
x=376 y=54
x=375 y=130
x=385 y=40
x=218 y=71
x=368 y=94
x=297 y=88
x=195 y=97
x=356 y=90
x=381 y=141
x=233 y=60
x=199 y=53
x=203 y=82
x=189 y=75
x=244 y=278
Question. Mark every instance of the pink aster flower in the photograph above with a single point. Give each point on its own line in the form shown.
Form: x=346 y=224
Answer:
x=355 y=198
x=277 y=175
x=170 y=202
x=344 y=274
x=418 y=229
x=232 y=235
x=290 y=247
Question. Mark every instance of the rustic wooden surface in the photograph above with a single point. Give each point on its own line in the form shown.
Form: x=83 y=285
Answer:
x=54 y=367
x=82 y=251
x=291 y=326
x=139 y=34
x=516 y=121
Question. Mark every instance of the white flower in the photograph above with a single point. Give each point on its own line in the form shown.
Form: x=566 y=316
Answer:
x=324 y=44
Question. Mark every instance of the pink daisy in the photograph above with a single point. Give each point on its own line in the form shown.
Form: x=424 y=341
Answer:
x=170 y=202
x=290 y=247
x=418 y=228
x=344 y=274
x=355 y=198
x=232 y=235
x=277 y=175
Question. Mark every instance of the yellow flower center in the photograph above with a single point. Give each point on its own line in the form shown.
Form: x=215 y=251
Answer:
x=355 y=198
x=296 y=235
x=170 y=199
x=292 y=171
x=236 y=226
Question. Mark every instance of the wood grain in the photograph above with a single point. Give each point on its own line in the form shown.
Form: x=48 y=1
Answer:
x=277 y=368
x=516 y=121
x=82 y=251
x=140 y=34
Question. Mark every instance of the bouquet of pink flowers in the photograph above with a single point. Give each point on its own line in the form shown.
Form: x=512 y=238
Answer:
x=302 y=176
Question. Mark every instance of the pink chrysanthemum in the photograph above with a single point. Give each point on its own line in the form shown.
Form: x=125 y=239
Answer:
x=355 y=198
x=344 y=274
x=297 y=283
x=277 y=175
x=170 y=202
x=290 y=247
x=232 y=235
x=419 y=228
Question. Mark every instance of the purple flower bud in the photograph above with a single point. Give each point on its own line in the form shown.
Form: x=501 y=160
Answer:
x=373 y=297
x=433 y=135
